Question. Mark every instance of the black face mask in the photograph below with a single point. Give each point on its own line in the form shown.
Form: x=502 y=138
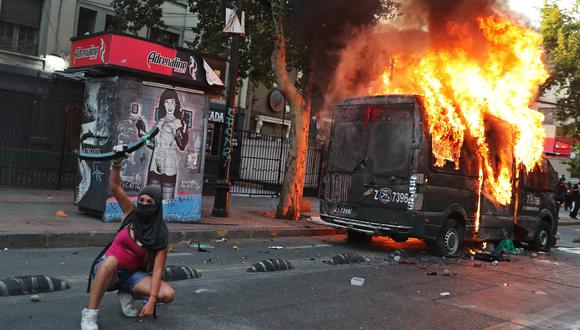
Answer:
x=146 y=211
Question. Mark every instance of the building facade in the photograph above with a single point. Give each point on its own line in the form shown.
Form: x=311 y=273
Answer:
x=41 y=104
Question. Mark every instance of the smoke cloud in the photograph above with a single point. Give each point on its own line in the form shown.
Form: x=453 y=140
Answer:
x=423 y=25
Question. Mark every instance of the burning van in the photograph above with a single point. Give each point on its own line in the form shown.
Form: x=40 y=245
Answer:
x=383 y=178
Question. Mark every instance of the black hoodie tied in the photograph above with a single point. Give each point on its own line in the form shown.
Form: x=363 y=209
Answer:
x=150 y=229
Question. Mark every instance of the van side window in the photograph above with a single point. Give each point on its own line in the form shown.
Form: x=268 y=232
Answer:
x=543 y=179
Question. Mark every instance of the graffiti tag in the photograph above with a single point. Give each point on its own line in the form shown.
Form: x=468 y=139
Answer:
x=227 y=149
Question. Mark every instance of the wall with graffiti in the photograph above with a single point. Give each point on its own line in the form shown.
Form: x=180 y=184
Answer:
x=175 y=161
x=96 y=137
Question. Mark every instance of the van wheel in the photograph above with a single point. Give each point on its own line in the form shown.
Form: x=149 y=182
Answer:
x=450 y=240
x=355 y=236
x=542 y=241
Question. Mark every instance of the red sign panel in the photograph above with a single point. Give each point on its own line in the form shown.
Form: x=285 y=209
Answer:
x=90 y=51
x=121 y=51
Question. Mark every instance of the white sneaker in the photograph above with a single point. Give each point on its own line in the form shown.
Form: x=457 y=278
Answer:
x=89 y=319
x=129 y=305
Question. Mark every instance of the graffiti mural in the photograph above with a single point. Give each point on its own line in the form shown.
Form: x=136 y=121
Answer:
x=96 y=129
x=174 y=161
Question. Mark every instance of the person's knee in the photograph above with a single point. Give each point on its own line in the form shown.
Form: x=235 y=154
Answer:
x=166 y=294
x=109 y=264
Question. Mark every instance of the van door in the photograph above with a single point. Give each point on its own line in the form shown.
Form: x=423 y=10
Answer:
x=371 y=161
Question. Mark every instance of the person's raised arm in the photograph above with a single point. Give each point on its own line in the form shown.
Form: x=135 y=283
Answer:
x=115 y=185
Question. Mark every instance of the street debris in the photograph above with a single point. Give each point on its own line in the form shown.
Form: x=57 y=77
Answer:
x=61 y=214
x=271 y=265
x=235 y=247
x=219 y=240
x=34 y=298
x=431 y=273
x=200 y=247
x=495 y=262
x=275 y=247
x=540 y=292
x=489 y=256
x=506 y=246
x=357 y=281
x=346 y=258
x=506 y=284
x=445 y=294
x=446 y=272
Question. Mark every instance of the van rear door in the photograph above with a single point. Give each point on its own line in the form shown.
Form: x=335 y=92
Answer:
x=371 y=159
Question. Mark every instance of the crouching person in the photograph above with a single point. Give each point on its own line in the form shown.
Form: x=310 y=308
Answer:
x=125 y=266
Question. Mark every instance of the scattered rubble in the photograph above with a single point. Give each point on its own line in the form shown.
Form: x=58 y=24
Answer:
x=35 y=298
x=61 y=214
x=357 y=281
x=444 y=294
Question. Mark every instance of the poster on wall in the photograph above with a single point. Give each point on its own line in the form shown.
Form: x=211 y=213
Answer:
x=96 y=137
x=174 y=164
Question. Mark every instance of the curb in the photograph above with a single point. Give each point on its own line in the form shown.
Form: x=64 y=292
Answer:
x=86 y=239
x=568 y=223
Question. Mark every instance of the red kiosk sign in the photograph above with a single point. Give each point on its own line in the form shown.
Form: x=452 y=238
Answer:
x=118 y=51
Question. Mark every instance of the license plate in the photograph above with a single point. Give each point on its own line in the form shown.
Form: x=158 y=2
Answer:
x=343 y=210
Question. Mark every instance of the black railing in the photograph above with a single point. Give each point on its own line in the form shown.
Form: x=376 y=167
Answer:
x=258 y=165
x=38 y=169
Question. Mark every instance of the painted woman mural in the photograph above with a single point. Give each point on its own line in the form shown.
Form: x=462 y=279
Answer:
x=169 y=143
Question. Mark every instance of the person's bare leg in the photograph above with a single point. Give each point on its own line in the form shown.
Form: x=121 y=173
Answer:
x=143 y=289
x=106 y=274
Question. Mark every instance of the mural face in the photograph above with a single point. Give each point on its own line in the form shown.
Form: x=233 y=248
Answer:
x=174 y=163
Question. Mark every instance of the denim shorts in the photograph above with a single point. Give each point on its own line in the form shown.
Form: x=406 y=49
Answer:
x=126 y=279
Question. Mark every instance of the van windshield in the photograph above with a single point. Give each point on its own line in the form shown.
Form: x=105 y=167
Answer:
x=378 y=135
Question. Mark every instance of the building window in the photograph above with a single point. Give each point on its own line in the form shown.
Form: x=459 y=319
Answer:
x=86 y=21
x=92 y=19
x=109 y=23
x=19 y=24
x=164 y=36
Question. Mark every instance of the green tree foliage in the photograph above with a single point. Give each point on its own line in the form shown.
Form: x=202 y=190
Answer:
x=133 y=15
x=319 y=25
x=561 y=32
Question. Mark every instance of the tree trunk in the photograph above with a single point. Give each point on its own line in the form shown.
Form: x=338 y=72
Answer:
x=293 y=184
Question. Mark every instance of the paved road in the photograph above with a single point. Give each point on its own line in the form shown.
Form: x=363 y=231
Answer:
x=527 y=292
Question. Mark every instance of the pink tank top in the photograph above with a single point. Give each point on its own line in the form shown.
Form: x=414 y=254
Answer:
x=129 y=255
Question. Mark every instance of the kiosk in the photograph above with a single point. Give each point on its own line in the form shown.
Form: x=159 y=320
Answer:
x=132 y=86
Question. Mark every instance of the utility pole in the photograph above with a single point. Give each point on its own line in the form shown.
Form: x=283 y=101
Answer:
x=222 y=194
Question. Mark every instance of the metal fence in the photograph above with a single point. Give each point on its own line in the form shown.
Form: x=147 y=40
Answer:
x=258 y=165
x=35 y=168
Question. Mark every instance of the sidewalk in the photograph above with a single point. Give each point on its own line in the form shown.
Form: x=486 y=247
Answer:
x=565 y=220
x=28 y=219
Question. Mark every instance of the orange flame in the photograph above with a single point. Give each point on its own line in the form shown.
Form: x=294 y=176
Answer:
x=461 y=87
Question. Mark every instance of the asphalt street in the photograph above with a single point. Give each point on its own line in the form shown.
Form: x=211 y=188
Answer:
x=530 y=291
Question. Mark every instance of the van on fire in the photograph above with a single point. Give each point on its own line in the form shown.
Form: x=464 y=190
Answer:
x=381 y=179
